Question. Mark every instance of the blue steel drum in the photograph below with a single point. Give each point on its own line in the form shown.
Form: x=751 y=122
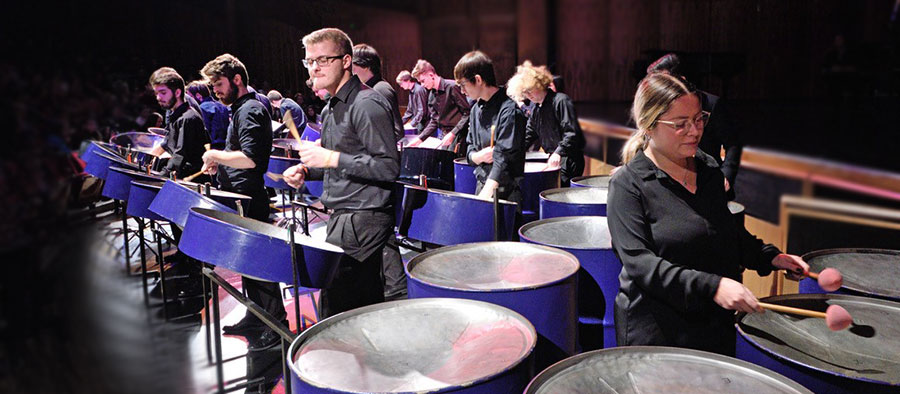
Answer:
x=588 y=238
x=285 y=147
x=257 y=249
x=101 y=161
x=537 y=281
x=137 y=141
x=410 y=131
x=866 y=272
x=277 y=165
x=573 y=201
x=435 y=164
x=592 y=181
x=175 y=199
x=312 y=132
x=464 y=180
x=433 y=345
x=118 y=182
x=658 y=369
x=158 y=131
x=97 y=146
x=140 y=196
x=864 y=358
x=537 y=179
x=448 y=218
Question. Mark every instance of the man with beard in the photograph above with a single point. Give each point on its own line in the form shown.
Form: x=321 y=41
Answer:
x=359 y=162
x=240 y=168
x=186 y=134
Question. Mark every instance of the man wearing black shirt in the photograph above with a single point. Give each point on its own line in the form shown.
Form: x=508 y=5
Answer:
x=447 y=106
x=186 y=134
x=367 y=66
x=496 y=130
x=240 y=168
x=417 y=108
x=359 y=162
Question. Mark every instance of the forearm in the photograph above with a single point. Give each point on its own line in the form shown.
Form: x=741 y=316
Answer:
x=234 y=159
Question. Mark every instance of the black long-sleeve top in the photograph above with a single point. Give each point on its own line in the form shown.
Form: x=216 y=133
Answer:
x=675 y=247
x=555 y=125
x=357 y=122
x=508 y=121
x=448 y=109
x=387 y=91
x=417 y=108
x=185 y=138
x=721 y=132
x=251 y=134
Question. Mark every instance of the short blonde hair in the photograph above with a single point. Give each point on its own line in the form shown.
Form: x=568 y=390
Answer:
x=528 y=77
x=655 y=94
x=422 y=66
x=340 y=39
x=404 y=76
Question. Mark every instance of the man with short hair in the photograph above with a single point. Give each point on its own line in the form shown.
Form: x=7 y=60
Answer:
x=367 y=66
x=215 y=114
x=496 y=130
x=240 y=168
x=359 y=162
x=447 y=105
x=280 y=106
x=185 y=134
x=417 y=107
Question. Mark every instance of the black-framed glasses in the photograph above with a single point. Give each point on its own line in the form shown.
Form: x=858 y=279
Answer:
x=681 y=126
x=322 y=61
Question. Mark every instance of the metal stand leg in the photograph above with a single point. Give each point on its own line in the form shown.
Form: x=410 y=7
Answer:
x=284 y=366
x=141 y=228
x=220 y=373
x=162 y=267
x=125 y=239
x=206 y=299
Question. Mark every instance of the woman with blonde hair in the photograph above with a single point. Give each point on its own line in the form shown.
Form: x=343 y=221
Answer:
x=682 y=252
x=553 y=122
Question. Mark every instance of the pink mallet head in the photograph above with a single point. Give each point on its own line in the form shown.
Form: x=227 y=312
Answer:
x=837 y=318
x=830 y=279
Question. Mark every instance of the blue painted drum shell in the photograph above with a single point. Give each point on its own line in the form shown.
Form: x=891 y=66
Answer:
x=277 y=165
x=537 y=179
x=600 y=263
x=101 y=161
x=140 y=196
x=448 y=218
x=256 y=249
x=805 y=367
x=175 y=200
x=550 y=207
x=118 y=182
x=464 y=176
x=510 y=381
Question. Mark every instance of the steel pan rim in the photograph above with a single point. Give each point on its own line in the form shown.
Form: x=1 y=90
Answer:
x=774 y=299
x=546 y=171
x=578 y=179
x=543 y=195
x=191 y=186
x=851 y=286
x=326 y=323
x=117 y=159
x=528 y=226
x=284 y=158
x=462 y=161
x=456 y=194
x=416 y=260
x=551 y=371
x=137 y=174
x=207 y=215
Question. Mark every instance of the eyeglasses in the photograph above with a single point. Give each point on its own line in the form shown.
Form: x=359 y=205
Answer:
x=322 y=61
x=681 y=126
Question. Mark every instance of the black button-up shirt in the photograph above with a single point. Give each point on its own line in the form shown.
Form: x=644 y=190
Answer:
x=250 y=133
x=357 y=122
x=509 y=138
x=387 y=91
x=448 y=109
x=721 y=132
x=185 y=138
x=554 y=124
x=675 y=247
x=417 y=107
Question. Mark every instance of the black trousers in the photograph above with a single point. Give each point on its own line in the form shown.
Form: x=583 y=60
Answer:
x=570 y=167
x=359 y=282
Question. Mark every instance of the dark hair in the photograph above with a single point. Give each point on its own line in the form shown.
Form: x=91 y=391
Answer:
x=274 y=95
x=200 y=87
x=364 y=55
x=422 y=66
x=228 y=66
x=475 y=63
x=668 y=63
x=169 y=77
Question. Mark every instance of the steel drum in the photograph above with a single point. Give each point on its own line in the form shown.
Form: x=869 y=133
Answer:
x=435 y=164
x=867 y=272
x=98 y=146
x=537 y=156
x=285 y=147
x=591 y=181
x=140 y=196
x=573 y=201
x=433 y=345
x=101 y=161
x=535 y=280
x=118 y=182
x=657 y=369
x=277 y=165
x=175 y=199
x=737 y=212
x=158 y=131
x=448 y=218
x=257 y=249
x=588 y=238
x=537 y=179
x=464 y=180
x=137 y=141
x=864 y=358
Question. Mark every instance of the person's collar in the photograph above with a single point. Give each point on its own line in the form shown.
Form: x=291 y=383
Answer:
x=372 y=81
x=444 y=84
x=178 y=111
x=645 y=168
x=241 y=100
x=344 y=92
x=498 y=96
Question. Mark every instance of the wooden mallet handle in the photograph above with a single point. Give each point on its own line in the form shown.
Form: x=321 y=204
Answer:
x=492 y=135
x=792 y=310
x=198 y=173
